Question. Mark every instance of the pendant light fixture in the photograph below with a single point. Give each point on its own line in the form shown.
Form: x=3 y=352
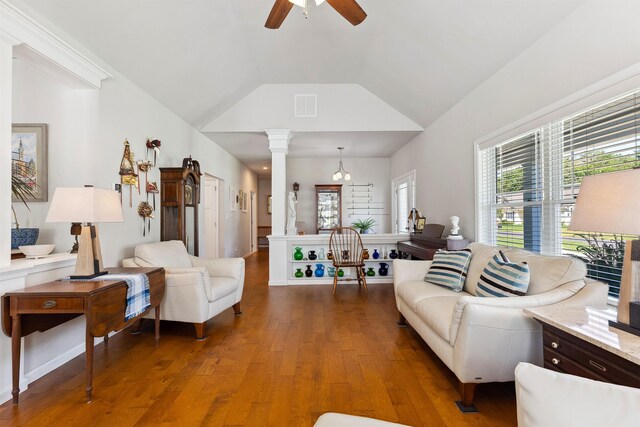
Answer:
x=340 y=173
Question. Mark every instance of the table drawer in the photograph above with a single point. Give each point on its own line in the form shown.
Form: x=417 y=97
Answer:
x=582 y=358
x=45 y=304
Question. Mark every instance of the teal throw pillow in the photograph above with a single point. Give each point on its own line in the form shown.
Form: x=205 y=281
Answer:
x=449 y=269
x=503 y=278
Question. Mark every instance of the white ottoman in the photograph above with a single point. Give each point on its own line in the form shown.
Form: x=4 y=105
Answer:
x=332 y=419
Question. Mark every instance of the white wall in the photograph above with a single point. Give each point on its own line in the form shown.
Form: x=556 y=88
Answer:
x=566 y=65
x=87 y=129
x=309 y=172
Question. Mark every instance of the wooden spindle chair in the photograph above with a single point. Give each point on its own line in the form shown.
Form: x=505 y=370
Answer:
x=346 y=246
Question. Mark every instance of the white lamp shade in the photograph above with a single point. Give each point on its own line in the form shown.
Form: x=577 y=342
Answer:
x=85 y=204
x=608 y=203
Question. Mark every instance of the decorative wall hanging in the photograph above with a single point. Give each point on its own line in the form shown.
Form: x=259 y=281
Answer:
x=128 y=175
x=152 y=188
x=144 y=166
x=146 y=212
x=154 y=144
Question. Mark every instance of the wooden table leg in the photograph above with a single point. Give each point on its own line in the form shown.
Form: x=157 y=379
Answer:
x=157 y=324
x=89 y=366
x=16 y=340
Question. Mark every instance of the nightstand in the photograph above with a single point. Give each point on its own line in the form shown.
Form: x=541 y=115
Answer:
x=578 y=341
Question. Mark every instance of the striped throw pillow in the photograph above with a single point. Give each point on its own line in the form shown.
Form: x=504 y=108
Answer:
x=449 y=269
x=503 y=278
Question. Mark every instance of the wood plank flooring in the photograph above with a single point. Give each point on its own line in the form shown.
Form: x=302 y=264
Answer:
x=296 y=353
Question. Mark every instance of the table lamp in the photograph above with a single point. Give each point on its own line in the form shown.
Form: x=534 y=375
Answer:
x=86 y=205
x=610 y=203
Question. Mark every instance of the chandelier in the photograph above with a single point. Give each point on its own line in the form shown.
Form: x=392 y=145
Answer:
x=340 y=173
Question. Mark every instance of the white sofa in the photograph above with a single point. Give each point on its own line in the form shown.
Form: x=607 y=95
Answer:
x=483 y=339
x=197 y=288
x=547 y=398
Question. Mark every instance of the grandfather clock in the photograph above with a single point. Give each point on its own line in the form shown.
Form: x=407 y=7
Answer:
x=179 y=199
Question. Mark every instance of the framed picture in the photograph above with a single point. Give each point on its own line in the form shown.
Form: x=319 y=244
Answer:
x=269 y=204
x=29 y=158
x=245 y=202
x=422 y=221
x=233 y=199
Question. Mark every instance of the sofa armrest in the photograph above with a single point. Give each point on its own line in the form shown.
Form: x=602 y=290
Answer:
x=405 y=270
x=129 y=262
x=560 y=293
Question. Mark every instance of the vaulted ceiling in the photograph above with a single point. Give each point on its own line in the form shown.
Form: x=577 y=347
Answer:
x=200 y=57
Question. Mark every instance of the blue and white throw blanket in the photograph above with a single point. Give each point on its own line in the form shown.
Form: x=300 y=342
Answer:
x=138 y=293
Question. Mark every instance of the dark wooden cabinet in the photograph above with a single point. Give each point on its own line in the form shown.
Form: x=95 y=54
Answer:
x=328 y=208
x=179 y=199
x=571 y=355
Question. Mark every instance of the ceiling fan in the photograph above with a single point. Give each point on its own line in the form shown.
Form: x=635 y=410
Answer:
x=349 y=9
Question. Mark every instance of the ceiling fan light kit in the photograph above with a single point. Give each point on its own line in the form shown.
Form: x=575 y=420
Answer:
x=349 y=9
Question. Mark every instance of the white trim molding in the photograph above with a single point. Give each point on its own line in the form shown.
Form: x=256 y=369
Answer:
x=16 y=27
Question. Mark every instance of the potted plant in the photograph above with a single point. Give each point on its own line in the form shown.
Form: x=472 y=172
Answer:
x=604 y=257
x=364 y=226
x=22 y=190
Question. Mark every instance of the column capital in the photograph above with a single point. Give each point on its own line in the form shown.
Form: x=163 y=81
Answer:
x=279 y=140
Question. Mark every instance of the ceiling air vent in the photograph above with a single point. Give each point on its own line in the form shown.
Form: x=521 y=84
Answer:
x=306 y=105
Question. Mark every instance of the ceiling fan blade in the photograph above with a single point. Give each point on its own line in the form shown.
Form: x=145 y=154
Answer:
x=279 y=11
x=349 y=9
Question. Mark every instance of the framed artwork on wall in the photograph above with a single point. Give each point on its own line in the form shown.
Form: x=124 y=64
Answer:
x=269 y=204
x=245 y=202
x=233 y=199
x=29 y=158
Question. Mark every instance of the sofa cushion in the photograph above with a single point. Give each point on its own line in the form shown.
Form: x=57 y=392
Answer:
x=449 y=269
x=171 y=253
x=548 y=272
x=414 y=291
x=502 y=278
x=480 y=256
x=437 y=312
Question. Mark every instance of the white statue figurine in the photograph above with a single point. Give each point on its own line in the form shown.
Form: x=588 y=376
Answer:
x=291 y=215
x=455 y=229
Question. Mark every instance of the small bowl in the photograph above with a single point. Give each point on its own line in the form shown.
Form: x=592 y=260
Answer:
x=36 y=251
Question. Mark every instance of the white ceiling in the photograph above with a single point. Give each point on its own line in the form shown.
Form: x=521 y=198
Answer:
x=200 y=57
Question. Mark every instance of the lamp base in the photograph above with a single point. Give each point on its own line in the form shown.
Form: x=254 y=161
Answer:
x=89 y=276
x=624 y=327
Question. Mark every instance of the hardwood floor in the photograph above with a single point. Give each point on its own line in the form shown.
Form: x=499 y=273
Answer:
x=296 y=353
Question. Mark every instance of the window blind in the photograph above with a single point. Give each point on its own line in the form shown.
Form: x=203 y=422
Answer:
x=528 y=184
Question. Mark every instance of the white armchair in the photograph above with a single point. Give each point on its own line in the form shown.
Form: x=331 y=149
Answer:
x=547 y=398
x=197 y=288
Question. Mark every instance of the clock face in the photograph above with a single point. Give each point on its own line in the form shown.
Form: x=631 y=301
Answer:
x=188 y=195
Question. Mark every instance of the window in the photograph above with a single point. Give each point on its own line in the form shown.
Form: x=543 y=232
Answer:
x=403 y=201
x=527 y=185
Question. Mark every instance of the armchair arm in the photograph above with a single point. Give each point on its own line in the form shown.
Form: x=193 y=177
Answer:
x=188 y=294
x=405 y=270
x=225 y=267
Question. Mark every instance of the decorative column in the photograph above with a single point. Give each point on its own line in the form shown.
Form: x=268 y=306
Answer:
x=6 y=60
x=279 y=147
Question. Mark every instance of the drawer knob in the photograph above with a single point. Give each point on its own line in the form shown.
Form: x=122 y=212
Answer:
x=555 y=361
x=597 y=366
x=554 y=344
x=49 y=304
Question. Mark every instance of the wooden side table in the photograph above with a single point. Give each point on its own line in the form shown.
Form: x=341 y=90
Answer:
x=103 y=303
x=578 y=341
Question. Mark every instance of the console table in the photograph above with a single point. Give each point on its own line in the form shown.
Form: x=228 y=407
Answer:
x=578 y=341
x=103 y=303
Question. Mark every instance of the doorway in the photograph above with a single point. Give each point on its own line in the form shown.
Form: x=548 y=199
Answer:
x=211 y=217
